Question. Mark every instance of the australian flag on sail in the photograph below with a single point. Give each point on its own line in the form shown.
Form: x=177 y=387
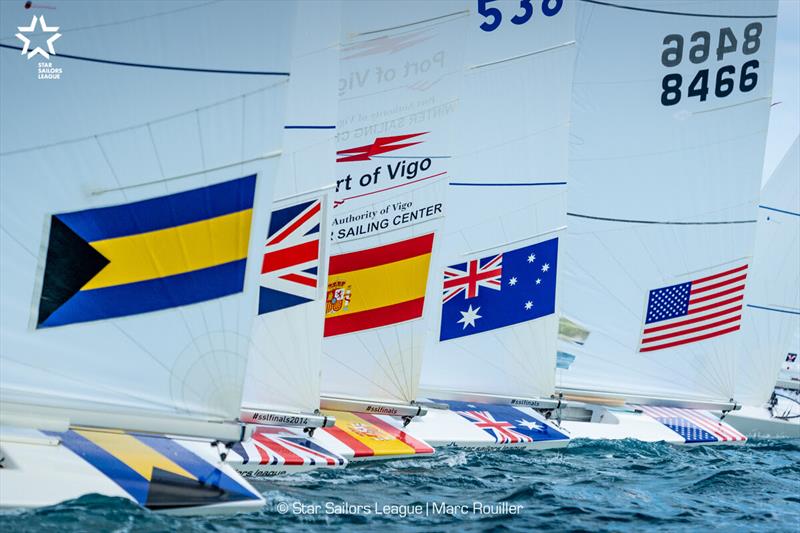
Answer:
x=500 y=290
x=290 y=269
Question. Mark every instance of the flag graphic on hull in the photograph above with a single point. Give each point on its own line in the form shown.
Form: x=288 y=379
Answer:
x=694 y=311
x=378 y=286
x=155 y=471
x=500 y=290
x=276 y=446
x=148 y=255
x=693 y=425
x=367 y=435
x=290 y=268
x=506 y=424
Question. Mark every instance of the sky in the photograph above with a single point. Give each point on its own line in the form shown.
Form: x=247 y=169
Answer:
x=784 y=121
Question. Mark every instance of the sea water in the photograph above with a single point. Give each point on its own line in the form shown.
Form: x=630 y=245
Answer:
x=591 y=486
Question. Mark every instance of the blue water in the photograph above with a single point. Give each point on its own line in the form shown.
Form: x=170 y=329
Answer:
x=592 y=486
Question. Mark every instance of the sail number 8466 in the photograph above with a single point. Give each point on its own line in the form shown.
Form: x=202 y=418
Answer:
x=724 y=80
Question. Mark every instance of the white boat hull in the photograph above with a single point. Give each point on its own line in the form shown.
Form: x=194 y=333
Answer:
x=759 y=422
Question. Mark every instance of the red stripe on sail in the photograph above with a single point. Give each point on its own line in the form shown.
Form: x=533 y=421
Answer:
x=381 y=255
x=691 y=330
x=721 y=274
x=359 y=448
x=297 y=278
x=691 y=339
x=715 y=305
x=374 y=318
x=716 y=295
x=717 y=285
x=293 y=255
x=693 y=320
x=402 y=436
x=297 y=223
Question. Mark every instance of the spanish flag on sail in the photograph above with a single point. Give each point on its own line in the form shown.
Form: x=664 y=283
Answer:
x=148 y=255
x=378 y=286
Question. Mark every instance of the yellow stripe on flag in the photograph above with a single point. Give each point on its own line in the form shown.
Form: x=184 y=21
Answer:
x=170 y=251
x=133 y=453
x=384 y=285
x=371 y=436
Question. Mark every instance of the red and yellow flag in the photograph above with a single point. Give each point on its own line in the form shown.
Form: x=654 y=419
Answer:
x=377 y=287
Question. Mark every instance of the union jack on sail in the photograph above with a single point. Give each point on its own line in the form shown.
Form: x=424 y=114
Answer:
x=477 y=273
x=689 y=312
x=290 y=268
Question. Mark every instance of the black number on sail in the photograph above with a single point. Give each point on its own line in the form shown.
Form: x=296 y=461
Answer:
x=724 y=86
x=726 y=34
x=748 y=80
x=752 y=38
x=699 y=86
x=672 y=55
x=671 y=85
x=699 y=52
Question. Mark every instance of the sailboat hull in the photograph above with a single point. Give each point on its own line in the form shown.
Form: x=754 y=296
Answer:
x=488 y=426
x=759 y=422
x=156 y=472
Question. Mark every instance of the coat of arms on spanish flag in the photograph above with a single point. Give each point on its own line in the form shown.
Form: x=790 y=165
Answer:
x=377 y=287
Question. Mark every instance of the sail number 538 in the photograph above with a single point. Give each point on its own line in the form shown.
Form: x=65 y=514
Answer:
x=724 y=79
x=494 y=16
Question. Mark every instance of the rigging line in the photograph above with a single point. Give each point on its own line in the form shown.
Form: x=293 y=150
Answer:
x=765 y=308
x=19 y=242
x=522 y=56
x=681 y=13
x=779 y=210
x=440 y=17
x=307 y=127
x=142 y=124
x=125 y=21
x=669 y=223
x=269 y=155
x=161 y=67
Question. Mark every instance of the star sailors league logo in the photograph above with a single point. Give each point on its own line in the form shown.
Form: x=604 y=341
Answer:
x=26 y=42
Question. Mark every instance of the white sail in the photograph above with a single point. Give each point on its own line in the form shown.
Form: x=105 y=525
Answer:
x=130 y=186
x=772 y=318
x=669 y=117
x=494 y=329
x=397 y=93
x=284 y=365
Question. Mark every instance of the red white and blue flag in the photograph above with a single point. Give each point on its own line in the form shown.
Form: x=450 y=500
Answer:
x=507 y=424
x=471 y=276
x=290 y=269
x=693 y=425
x=275 y=446
x=700 y=309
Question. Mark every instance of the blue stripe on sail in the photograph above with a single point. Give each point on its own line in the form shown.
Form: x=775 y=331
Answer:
x=111 y=467
x=307 y=127
x=150 y=295
x=779 y=210
x=271 y=300
x=162 y=212
x=787 y=311
x=204 y=471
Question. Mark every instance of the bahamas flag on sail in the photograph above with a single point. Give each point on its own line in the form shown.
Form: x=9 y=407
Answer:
x=500 y=290
x=148 y=255
x=378 y=286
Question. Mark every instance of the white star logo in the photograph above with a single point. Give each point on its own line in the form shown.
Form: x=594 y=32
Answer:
x=530 y=424
x=512 y=281
x=528 y=305
x=538 y=281
x=545 y=267
x=27 y=42
x=531 y=258
x=469 y=317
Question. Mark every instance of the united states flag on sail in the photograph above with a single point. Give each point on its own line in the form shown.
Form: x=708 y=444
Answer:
x=290 y=269
x=694 y=311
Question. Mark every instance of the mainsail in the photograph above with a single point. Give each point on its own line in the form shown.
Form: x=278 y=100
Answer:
x=772 y=316
x=397 y=93
x=494 y=321
x=128 y=286
x=669 y=119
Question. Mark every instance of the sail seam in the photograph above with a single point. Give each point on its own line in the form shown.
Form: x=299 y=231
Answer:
x=681 y=13
x=440 y=17
x=664 y=222
x=521 y=56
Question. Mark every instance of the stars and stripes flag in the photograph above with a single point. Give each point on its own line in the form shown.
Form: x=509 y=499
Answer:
x=693 y=425
x=290 y=268
x=689 y=312
x=275 y=446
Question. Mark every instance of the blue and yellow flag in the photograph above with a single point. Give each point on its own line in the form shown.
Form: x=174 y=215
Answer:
x=144 y=256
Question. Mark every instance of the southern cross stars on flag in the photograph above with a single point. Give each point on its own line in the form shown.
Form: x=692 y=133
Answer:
x=500 y=290
x=700 y=309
